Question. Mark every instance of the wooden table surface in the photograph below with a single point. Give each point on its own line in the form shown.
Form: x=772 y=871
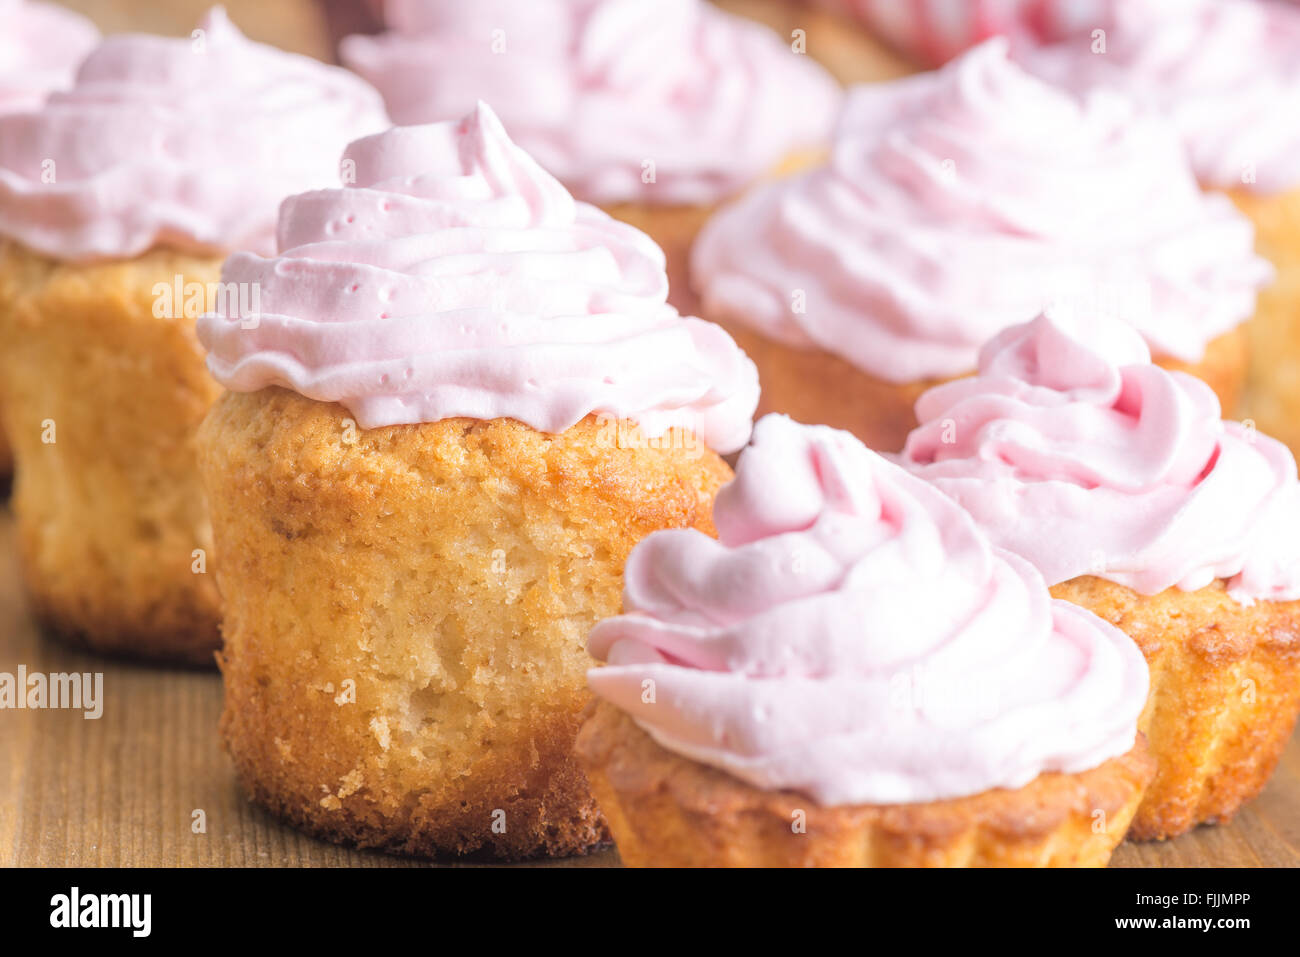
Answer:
x=121 y=790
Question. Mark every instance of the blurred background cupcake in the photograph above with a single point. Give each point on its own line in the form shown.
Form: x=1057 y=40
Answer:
x=654 y=111
x=118 y=201
x=1227 y=74
x=465 y=399
x=932 y=32
x=1121 y=483
x=957 y=203
x=852 y=676
x=40 y=47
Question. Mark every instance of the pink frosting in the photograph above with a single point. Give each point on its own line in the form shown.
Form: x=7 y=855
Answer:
x=852 y=636
x=454 y=277
x=1089 y=460
x=596 y=89
x=961 y=202
x=183 y=142
x=1226 y=72
x=40 y=47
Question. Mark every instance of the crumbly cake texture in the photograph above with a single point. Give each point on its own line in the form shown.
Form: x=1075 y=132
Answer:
x=812 y=385
x=406 y=613
x=1225 y=691
x=848 y=51
x=1273 y=388
x=667 y=811
x=101 y=400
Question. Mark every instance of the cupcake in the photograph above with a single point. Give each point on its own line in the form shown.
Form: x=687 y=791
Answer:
x=118 y=201
x=655 y=112
x=850 y=675
x=828 y=35
x=1121 y=484
x=464 y=401
x=40 y=47
x=959 y=203
x=1227 y=74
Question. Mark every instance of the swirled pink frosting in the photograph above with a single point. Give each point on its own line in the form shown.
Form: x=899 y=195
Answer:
x=40 y=47
x=852 y=636
x=597 y=89
x=182 y=142
x=455 y=277
x=1226 y=72
x=1086 y=459
x=960 y=202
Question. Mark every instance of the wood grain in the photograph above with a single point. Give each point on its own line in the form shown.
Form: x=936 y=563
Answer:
x=121 y=790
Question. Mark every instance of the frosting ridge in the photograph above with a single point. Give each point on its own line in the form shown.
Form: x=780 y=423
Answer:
x=1086 y=459
x=1225 y=72
x=960 y=202
x=455 y=277
x=186 y=142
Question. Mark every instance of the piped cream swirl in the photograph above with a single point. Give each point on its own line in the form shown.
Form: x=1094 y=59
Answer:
x=851 y=635
x=454 y=277
x=1086 y=459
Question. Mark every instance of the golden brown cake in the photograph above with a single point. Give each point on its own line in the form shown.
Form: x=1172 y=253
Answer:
x=812 y=385
x=701 y=105
x=667 y=811
x=101 y=400
x=1225 y=691
x=406 y=609
x=848 y=51
x=1273 y=389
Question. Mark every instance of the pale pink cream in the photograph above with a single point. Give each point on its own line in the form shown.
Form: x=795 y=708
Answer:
x=190 y=143
x=852 y=636
x=40 y=47
x=1086 y=459
x=961 y=202
x=1226 y=73
x=452 y=276
x=671 y=102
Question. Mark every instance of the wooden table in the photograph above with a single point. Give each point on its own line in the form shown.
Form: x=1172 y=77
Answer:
x=121 y=790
